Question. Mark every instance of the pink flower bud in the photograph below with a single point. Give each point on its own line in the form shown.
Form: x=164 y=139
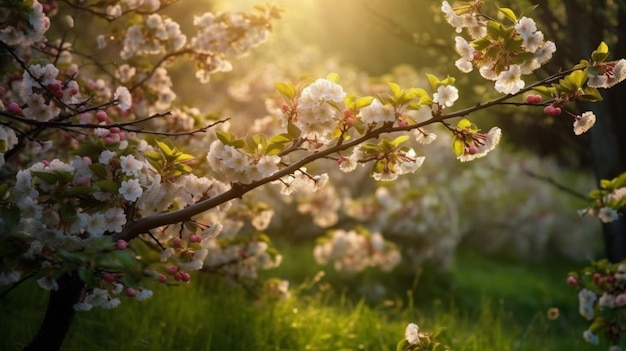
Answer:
x=184 y=276
x=108 y=277
x=102 y=116
x=194 y=238
x=172 y=270
x=14 y=108
x=349 y=121
x=121 y=244
x=177 y=242
x=130 y=292
x=162 y=278
x=178 y=276
x=549 y=110
x=572 y=281
x=533 y=99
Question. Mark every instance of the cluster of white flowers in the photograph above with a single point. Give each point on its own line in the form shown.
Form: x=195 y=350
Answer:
x=231 y=164
x=240 y=260
x=352 y=252
x=222 y=35
x=506 y=74
x=610 y=204
x=104 y=298
x=26 y=28
x=301 y=181
x=376 y=112
x=322 y=205
x=476 y=27
x=40 y=84
x=154 y=36
x=316 y=116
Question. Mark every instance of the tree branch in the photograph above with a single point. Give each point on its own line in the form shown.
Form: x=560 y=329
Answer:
x=142 y=225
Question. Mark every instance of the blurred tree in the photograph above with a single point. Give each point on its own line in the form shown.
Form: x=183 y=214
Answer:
x=580 y=25
x=576 y=26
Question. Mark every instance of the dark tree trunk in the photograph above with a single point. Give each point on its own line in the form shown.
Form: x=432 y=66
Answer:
x=586 y=27
x=59 y=314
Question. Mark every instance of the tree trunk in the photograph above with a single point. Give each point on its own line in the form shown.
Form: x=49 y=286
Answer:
x=586 y=28
x=59 y=314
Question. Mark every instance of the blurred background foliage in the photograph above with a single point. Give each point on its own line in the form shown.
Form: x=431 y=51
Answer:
x=498 y=202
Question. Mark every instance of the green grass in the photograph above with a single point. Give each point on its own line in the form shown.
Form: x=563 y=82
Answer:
x=486 y=304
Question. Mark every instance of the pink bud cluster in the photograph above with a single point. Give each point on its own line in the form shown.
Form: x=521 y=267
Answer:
x=552 y=110
x=177 y=274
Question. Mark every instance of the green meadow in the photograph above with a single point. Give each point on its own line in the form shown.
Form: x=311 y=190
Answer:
x=487 y=303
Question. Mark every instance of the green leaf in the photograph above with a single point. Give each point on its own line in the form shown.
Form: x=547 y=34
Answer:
x=494 y=29
x=10 y=217
x=98 y=169
x=85 y=275
x=224 y=137
x=481 y=44
x=286 y=89
x=601 y=53
x=108 y=186
x=80 y=190
x=274 y=148
x=545 y=91
x=167 y=150
x=48 y=177
x=591 y=94
x=458 y=146
x=464 y=124
x=437 y=332
x=578 y=78
x=395 y=90
x=280 y=139
x=293 y=131
x=433 y=80
x=333 y=77
x=399 y=140
x=183 y=168
x=184 y=157
x=363 y=101
x=508 y=13
x=403 y=345
x=92 y=148
x=448 y=81
x=596 y=194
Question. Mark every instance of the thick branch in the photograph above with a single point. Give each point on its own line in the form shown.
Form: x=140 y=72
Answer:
x=143 y=225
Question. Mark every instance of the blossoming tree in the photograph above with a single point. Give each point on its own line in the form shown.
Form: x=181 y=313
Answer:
x=99 y=197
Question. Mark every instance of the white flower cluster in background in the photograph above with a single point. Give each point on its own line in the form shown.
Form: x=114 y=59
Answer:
x=352 y=252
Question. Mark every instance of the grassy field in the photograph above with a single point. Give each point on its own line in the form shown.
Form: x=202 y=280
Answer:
x=487 y=305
